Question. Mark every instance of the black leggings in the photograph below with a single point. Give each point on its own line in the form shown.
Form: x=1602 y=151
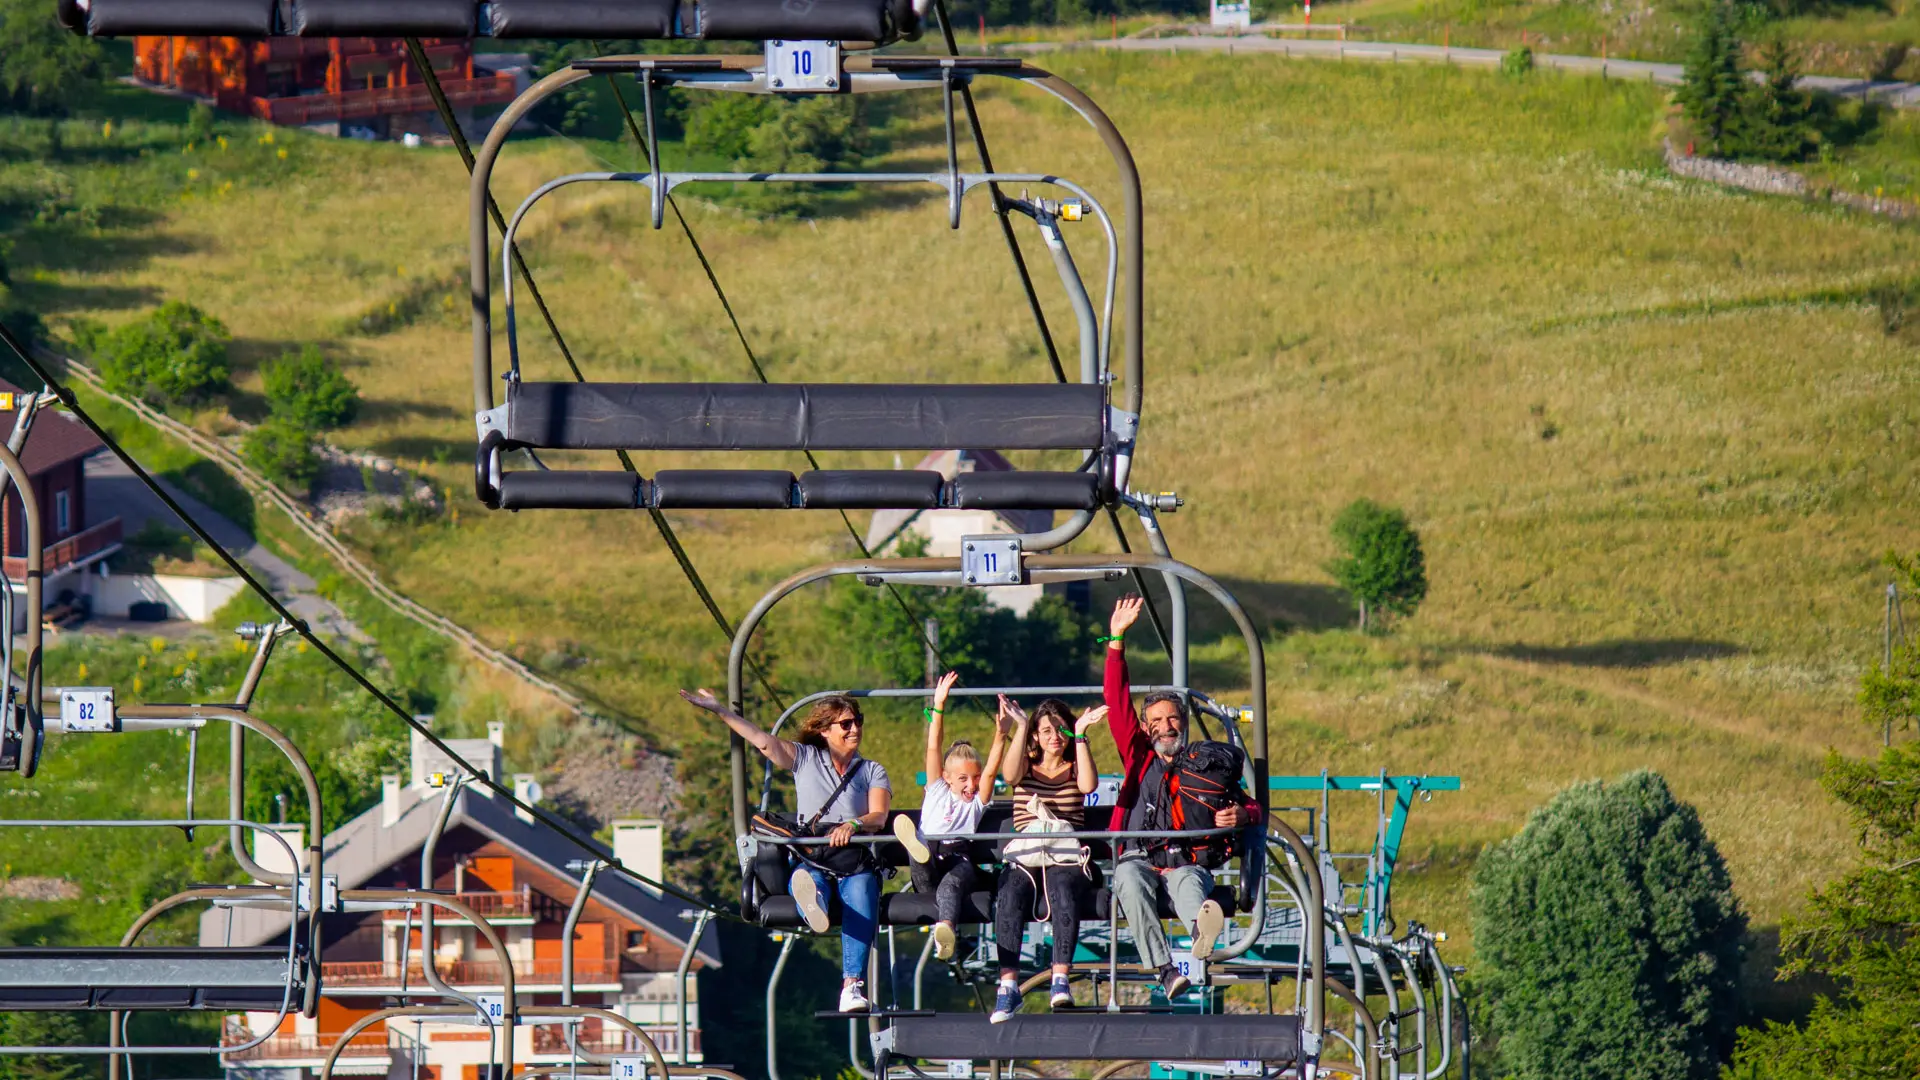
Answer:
x=949 y=877
x=1066 y=886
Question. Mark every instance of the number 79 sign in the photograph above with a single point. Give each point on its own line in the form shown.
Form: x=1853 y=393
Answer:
x=802 y=67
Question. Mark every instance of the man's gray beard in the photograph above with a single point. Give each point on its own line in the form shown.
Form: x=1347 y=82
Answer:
x=1168 y=745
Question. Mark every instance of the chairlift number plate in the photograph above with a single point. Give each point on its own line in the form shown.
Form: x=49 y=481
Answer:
x=87 y=708
x=1194 y=970
x=628 y=1068
x=960 y=1070
x=493 y=1008
x=803 y=67
x=1244 y=1068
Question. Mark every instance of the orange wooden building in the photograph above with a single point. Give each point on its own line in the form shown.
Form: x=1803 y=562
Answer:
x=364 y=82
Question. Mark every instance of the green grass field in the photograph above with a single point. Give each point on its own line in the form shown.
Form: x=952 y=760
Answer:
x=1654 y=433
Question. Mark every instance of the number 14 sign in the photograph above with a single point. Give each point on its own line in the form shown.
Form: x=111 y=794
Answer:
x=800 y=67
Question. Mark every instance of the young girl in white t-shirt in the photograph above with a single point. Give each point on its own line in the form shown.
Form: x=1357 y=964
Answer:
x=957 y=791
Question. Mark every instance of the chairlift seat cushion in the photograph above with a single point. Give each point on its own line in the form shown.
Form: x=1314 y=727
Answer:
x=125 y=18
x=593 y=19
x=723 y=489
x=1026 y=491
x=379 y=18
x=1273 y=1040
x=817 y=416
x=871 y=489
x=76 y=978
x=569 y=490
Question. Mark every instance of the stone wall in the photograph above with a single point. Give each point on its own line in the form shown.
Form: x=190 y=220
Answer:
x=1775 y=180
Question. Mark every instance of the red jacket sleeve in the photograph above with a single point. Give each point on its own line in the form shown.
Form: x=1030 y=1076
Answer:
x=1122 y=723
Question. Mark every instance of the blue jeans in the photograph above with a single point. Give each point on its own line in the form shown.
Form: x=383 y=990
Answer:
x=859 y=916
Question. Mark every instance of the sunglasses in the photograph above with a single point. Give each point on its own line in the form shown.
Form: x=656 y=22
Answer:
x=847 y=724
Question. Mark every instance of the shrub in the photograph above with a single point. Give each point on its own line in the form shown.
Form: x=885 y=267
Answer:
x=284 y=453
x=176 y=354
x=307 y=391
x=1383 y=566
x=1517 y=61
x=42 y=67
x=1607 y=933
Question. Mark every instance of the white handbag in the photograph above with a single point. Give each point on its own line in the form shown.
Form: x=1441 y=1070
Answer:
x=1038 y=850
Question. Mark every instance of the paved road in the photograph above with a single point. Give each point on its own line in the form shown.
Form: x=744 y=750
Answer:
x=113 y=489
x=1897 y=94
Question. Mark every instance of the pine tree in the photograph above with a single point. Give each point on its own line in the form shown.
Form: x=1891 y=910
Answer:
x=1862 y=930
x=1711 y=90
x=1607 y=934
x=1777 y=121
x=40 y=1029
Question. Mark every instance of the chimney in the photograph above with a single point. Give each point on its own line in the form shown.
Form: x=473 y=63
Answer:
x=421 y=749
x=271 y=856
x=640 y=845
x=497 y=733
x=389 y=799
x=527 y=790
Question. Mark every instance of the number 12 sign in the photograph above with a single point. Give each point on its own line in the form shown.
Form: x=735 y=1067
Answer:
x=803 y=66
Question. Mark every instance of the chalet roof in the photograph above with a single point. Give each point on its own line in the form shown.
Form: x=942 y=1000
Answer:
x=54 y=440
x=363 y=848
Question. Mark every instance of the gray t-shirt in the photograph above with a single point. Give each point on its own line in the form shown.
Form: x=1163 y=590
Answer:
x=814 y=778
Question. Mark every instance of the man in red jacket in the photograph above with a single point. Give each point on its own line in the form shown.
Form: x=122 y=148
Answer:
x=1147 y=746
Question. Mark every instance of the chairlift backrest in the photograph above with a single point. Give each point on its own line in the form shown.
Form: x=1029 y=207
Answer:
x=878 y=21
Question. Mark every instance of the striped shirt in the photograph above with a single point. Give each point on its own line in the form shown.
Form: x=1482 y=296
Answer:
x=1060 y=792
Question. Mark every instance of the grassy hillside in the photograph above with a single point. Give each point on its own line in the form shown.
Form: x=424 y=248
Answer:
x=1655 y=434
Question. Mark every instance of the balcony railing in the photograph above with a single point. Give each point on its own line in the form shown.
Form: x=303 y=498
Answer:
x=70 y=550
x=586 y=972
x=383 y=101
x=525 y=903
x=552 y=1039
x=367 y=1044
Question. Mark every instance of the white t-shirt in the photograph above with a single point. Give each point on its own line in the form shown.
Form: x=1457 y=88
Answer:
x=944 y=813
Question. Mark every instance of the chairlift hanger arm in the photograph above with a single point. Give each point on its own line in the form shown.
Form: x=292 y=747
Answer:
x=1132 y=247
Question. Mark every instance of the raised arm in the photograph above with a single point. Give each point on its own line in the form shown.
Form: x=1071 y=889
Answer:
x=995 y=754
x=937 y=725
x=1086 y=776
x=1121 y=721
x=777 y=750
x=1013 y=768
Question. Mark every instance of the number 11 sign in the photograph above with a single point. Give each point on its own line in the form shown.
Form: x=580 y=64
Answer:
x=801 y=67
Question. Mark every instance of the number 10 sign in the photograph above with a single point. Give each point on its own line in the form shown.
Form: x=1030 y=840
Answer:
x=803 y=66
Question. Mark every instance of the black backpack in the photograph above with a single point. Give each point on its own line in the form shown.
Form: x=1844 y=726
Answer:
x=1204 y=778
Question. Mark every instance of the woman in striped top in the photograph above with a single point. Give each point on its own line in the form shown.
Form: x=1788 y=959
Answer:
x=1051 y=760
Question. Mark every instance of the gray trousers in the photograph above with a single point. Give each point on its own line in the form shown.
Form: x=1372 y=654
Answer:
x=1137 y=888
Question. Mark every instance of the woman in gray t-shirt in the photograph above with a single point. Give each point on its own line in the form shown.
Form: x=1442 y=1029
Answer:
x=828 y=747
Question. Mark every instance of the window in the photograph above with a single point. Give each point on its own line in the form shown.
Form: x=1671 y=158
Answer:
x=62 y=513
x=636 y=941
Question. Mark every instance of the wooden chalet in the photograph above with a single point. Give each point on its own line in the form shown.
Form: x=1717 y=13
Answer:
x=369 y=83
x=513 y=871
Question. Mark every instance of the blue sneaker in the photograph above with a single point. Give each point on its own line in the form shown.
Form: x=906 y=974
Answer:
x=1060 y=996
x=1005 y=1003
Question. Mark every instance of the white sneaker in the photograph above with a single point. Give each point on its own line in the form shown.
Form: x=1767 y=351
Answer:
x=1206 y=929
x=908 y=833
x=853 y=998
x=806 y=894
x=943 y=941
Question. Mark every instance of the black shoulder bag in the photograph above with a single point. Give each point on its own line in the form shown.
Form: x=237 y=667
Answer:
x=838 y=861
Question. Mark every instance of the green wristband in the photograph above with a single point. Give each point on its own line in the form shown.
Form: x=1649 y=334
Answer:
x=1104 y=638
x=931 y=713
